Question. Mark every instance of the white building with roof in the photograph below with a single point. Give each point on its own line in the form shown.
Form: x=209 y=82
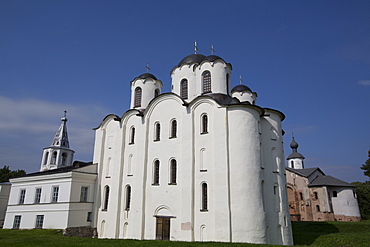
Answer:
x=60 y=196
x=314 y=196
x=200 y=163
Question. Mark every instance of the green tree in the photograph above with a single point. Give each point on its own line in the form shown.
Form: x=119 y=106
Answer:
x=366 y=166
x=363 y=197
x=6 y=174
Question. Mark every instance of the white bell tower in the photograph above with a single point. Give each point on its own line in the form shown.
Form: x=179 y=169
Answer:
x=58 y=154
x=295 y=159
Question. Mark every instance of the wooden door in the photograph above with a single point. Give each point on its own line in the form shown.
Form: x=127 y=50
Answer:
x=163 y=228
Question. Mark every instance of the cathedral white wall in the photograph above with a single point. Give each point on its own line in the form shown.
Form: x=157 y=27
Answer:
x=110 y=168
x=217 y=158
x=166 y=199
x=245 y=177
x=275 y=192
x=345 y=203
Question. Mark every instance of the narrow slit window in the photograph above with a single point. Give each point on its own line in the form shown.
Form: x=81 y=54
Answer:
x=173 y=129
x=156 y=173
x=173 y=171
x=204 y=124
x=204 y=197
x=157 y=132
x=132 y=135
x=106 y=198
x=128 y=197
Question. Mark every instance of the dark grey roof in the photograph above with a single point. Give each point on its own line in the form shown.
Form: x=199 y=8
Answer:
x=223 y=99
x=304 y=172
x=76 y=165
x=329 y=181
x=193 y=58
x=240 y=88
x=212 y=58
x=198 y=58
x=295 y=155
x=147 y=75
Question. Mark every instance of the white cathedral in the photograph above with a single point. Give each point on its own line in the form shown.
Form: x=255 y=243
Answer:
x=201 y=163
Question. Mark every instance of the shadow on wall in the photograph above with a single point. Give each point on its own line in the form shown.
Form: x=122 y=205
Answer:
x=306 y=232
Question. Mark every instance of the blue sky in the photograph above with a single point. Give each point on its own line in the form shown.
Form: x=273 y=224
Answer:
x=308 y=59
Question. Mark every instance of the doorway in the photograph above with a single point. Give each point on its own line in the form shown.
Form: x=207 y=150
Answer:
x=163 y=228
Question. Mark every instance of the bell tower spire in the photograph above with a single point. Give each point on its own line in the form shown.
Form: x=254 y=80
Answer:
x=61 y=137
x=58 y=154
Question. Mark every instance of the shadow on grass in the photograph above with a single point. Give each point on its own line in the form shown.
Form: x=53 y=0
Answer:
x=306 y=232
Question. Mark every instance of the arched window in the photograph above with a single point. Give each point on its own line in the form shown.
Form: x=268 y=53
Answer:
x=138 y=93
x=46 y=158
x=184 y=89
x=128 y=197
x=106 y=198
x=173 y=171
x=292 y=164
x=132 y=135
x=206 y=81
x=204 y=197
x=204 y=124
x=64 y=159
x=156 y=173
x=173 y=129
x=156 y=92
x=54 y=158
x=157 y=132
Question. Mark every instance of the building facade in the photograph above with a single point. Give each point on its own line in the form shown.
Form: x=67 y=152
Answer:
x=314 y=196
x=60 y=196
x=200 y=163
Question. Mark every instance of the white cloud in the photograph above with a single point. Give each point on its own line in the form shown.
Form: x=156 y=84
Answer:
x=364 y=82
x=29 y=125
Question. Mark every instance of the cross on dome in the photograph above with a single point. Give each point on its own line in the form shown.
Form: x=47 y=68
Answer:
x=212 y=49
x=147 y=68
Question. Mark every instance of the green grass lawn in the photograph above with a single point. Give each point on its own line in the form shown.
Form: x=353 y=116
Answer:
x=326 y=234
